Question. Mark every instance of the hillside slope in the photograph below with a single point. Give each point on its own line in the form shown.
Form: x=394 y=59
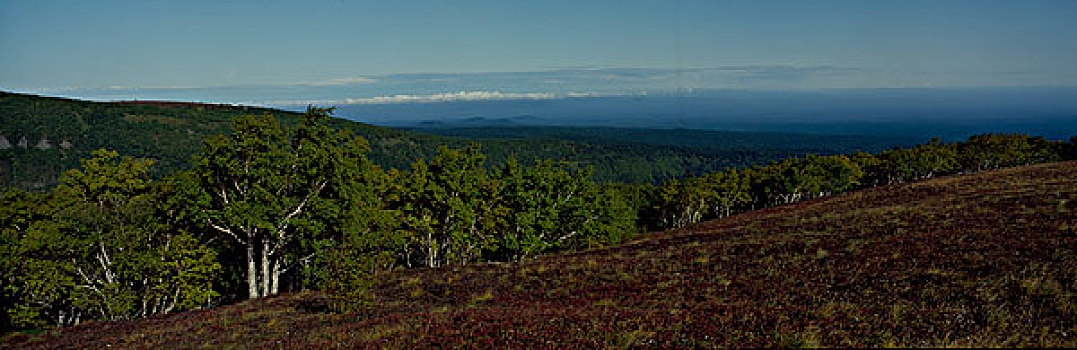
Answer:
x=40 y=137
x=980 y=259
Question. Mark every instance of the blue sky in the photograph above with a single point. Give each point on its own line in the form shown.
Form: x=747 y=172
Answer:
x=342 y=49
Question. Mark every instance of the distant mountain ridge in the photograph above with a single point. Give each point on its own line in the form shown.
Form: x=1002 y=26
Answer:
x=520 y=120
x=40 y=137
x=953 y=114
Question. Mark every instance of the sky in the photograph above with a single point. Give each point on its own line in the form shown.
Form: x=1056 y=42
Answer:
x=338 y=50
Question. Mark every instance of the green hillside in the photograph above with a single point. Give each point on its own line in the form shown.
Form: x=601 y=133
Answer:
x=45 y=135
x=984 y=259
x=40 y=137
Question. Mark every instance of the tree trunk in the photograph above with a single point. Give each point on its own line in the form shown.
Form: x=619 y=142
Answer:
x=431 y=249
x=275 y=284
x=266 y=278
x=252 y=272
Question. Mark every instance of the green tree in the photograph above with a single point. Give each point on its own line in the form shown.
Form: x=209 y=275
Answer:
x=994 y=151
x=608 y=219
x=444 y=203
x=553 y=205
x=795 y=179
x=639 y=202
x=680 y=203
x=726 y=191
x=28 y=303
x=105 y=252
x=778 y=183
x=830 y=174
x=872 y=166
x=263 y=185
x=921 y=162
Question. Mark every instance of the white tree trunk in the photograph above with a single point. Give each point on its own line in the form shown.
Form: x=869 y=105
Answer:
x=266 y=278
x=431 y=250
x=275 y=284
x=252 y=272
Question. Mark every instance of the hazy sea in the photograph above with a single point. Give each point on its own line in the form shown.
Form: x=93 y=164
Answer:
x=921 y=113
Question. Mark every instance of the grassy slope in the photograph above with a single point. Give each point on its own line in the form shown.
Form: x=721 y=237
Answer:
x=981 y=259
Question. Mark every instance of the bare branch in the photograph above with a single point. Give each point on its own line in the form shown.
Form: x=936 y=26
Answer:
x=225 y=230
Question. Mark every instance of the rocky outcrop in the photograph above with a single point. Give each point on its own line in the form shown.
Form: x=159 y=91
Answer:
x=44 y=144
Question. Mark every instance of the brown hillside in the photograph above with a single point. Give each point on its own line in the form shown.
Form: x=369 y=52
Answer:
x=986 y=259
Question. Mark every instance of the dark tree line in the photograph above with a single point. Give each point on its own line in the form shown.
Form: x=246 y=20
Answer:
x=270 y=208
x=685 y=201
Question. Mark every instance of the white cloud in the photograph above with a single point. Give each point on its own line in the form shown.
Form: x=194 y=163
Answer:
x=435 y=98
x=343 y=81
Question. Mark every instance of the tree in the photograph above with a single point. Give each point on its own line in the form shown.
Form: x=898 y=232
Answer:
x=725 y=191
x=367 y=239
x=681 y=203
x=924 y=161
x=263 y=182
x=608 y=219
x=444 y=203
x=994 y=151
x=547 y=206
x=830 y=174
x=778 y=183
x=105 y=252
x=26 y=302
x=796 y=179
x=872 y=166
x=638 y=200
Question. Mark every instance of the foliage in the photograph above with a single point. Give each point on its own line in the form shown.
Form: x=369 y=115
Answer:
x=100 y=249
x=544 y=206
x=981 y=260
x=995 y=151
x=686 y=201
x=726 y=191
x=443 y=204
x=266 y=185
x=921 y=162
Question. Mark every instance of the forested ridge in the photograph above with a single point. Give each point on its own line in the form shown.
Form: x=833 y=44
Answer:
x=41 y=137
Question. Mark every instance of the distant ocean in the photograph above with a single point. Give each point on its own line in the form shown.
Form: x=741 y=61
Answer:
x=916 y=113
x=921 y=113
